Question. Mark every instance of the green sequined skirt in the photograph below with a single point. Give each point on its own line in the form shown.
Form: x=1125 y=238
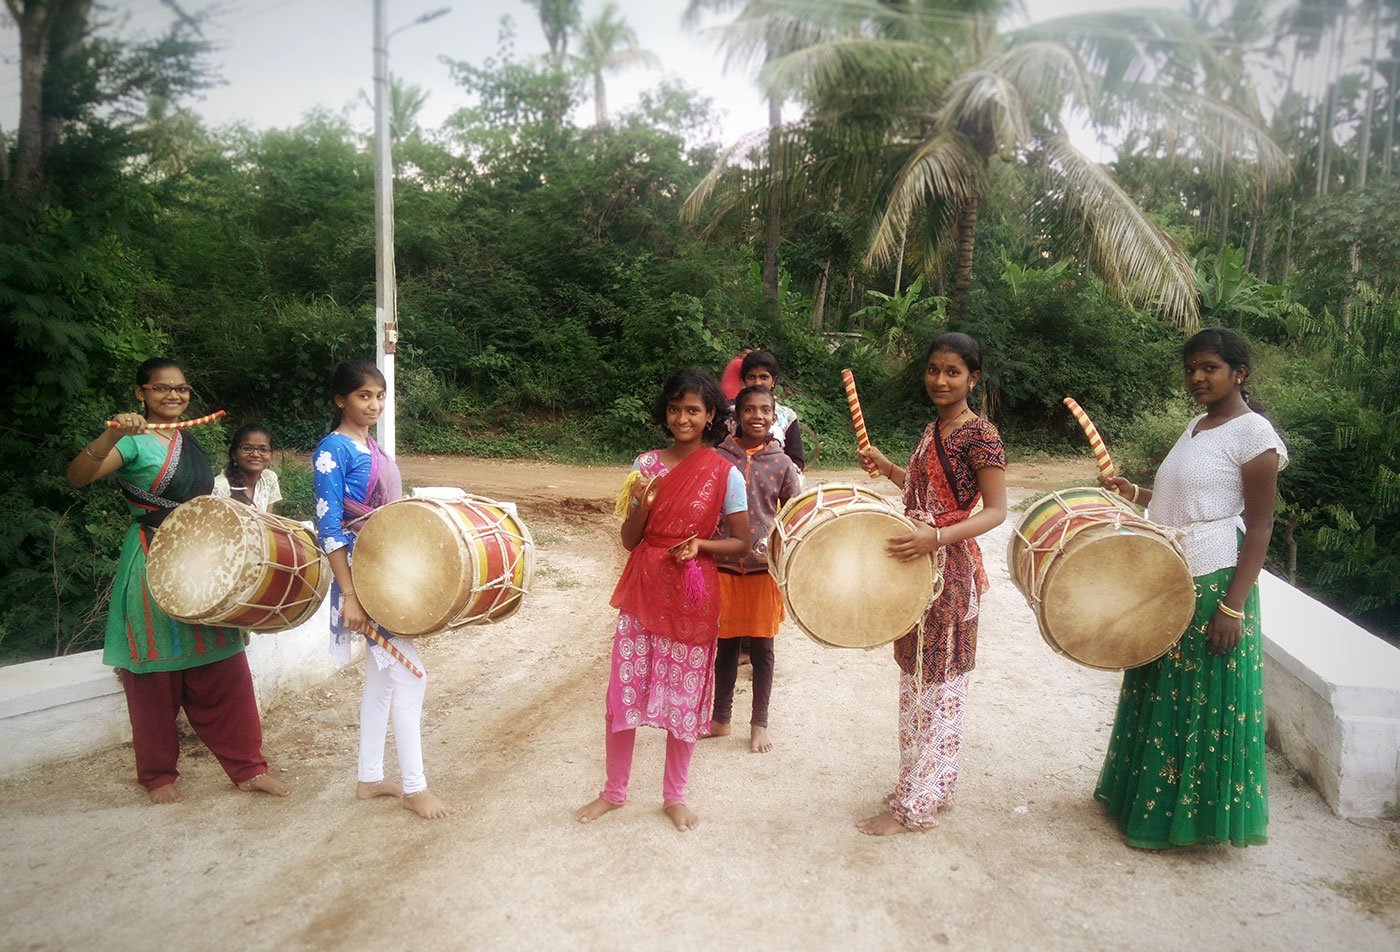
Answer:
x=1185 y=764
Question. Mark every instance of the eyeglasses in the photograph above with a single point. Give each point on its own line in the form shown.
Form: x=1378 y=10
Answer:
x=162 y=389
x=251 y=448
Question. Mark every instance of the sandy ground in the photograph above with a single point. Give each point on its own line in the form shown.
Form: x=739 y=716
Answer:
x=513 y=737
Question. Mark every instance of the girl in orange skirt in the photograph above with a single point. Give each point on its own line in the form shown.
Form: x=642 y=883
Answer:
x=750 y=604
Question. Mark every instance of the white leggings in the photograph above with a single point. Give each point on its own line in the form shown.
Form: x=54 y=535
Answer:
x=392 y=688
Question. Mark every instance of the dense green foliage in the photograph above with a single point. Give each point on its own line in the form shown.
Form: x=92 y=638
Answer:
x=547 y=284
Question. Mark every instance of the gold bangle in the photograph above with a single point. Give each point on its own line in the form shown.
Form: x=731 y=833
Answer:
x=88 y=450
x=937 y=537
x=1221 y=606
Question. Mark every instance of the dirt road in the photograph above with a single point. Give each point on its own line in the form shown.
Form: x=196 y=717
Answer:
x=513 y=737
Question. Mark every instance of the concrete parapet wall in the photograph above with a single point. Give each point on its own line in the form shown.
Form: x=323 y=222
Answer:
x=66 y=707
x=1332 y=691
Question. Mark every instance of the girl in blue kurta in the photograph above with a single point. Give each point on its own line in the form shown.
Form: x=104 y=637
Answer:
x=353 y=477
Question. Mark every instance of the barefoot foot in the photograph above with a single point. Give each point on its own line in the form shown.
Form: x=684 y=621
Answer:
x=266 y=783
x=720 y=729
x=591 y=812
x=758 y=740
x=682 y=816
x=426 y=804
x=883 y=824
x=384 y=788
x=167 y=793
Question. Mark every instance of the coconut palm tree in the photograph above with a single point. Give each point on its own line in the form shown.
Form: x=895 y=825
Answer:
x=910 y=101
x=607 y=44
x=558 y=19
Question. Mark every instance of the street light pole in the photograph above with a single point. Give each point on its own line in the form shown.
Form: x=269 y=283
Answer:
x=386 y=289
x=386 y=304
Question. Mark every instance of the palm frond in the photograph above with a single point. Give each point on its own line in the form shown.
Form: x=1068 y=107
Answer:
x=988 y=110
x=1048 y=75
x=1132 y=254
x=946 y=168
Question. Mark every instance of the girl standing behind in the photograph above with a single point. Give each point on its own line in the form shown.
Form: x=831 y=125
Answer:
x=353 y=478
x=960 y=460
x=668 y=597
x=750 y=604
x=164 y=664
x=1186 y=761
x=248 y=477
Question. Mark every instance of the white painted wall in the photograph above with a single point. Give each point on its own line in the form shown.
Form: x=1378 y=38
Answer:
x=1332 y=692
x=67 y=707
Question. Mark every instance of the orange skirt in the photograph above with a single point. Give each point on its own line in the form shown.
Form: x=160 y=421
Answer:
x=750 y=606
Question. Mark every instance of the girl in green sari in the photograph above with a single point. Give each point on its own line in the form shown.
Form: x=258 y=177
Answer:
x=1185 y=764
x=164 y=664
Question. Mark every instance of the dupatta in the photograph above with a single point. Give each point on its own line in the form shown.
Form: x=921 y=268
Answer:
x=185 y=475
x=930 y=496
x=688 y=504
x=385 y=486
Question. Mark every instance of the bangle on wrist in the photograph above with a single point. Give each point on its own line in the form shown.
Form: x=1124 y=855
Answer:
x=937 y=537
x=88 y=450
x=1227 y=610
x=347 y=592
x=1135 y=492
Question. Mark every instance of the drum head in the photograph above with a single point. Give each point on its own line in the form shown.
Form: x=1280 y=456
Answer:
x=199 y=557
x=844 y=590
x=410 y=570
x=1116 y=598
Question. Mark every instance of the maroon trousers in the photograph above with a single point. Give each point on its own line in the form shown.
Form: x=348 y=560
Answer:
x=218 y=700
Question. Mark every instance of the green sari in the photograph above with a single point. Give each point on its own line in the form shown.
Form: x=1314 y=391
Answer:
x=141 y=637
x=1185 y=764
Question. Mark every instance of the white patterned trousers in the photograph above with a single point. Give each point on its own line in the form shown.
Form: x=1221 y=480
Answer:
x=930 y=748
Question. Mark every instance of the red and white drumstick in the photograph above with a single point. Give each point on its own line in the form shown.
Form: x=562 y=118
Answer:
x=182 y=425
x=394 y=653
x=1101 y=456
x=858 y=418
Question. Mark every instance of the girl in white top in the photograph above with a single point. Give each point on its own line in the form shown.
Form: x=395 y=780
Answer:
x=1186 y=761
x=249 y=477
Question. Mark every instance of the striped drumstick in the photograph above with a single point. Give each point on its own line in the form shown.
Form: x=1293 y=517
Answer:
x=1101 y=456
x=182 y=425
x=394 y=653
x=857 y=418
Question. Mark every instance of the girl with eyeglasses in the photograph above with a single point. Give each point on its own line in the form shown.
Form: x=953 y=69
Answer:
x=249 y=478
x=164 y=664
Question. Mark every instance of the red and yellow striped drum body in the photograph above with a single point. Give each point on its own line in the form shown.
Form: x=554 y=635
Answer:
x=219 y=562
x=423 y=565
x=1109 y=588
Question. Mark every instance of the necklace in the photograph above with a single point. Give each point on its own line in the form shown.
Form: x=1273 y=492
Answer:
x=945 y=428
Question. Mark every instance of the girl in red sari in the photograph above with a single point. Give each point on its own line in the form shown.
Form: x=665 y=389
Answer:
x=663 y=658
x=960 y=461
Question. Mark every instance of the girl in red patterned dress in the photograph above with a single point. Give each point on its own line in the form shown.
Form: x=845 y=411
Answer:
x=663 y=658
x=960 y=460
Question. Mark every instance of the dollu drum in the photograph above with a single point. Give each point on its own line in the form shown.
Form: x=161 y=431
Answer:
x=827 y=555
x=423 y=565
x=1109 y=588
x=215 y=561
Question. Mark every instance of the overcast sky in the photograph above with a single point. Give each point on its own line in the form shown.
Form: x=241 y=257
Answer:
x=281 y=58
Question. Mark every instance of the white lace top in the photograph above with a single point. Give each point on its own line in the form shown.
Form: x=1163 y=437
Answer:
x=267 y=491
x=1199 y=487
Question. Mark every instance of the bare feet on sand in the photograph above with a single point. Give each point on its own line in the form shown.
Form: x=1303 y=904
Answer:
x=167 y=793
x=681 y=815
x=384 y=788
x=426 y=804
x=758 y=740
x=266 y=783
x=591 y=812
x=719 y=729
x=883 y=824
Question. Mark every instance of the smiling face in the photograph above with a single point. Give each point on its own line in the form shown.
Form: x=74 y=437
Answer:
x=687 y=417
x=166 y=395
x=947 y=381
x=362 y=406
x=253 y=454
x=756 y=416
x=1210 y=379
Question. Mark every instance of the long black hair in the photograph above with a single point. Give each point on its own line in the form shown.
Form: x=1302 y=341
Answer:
x=696 y=381
x=964 y=345
x=1231 y=347
x=349 y=377
x=242 y=433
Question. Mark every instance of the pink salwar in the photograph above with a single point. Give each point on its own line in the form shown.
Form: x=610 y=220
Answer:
x=930 y=748
x=656 y=682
